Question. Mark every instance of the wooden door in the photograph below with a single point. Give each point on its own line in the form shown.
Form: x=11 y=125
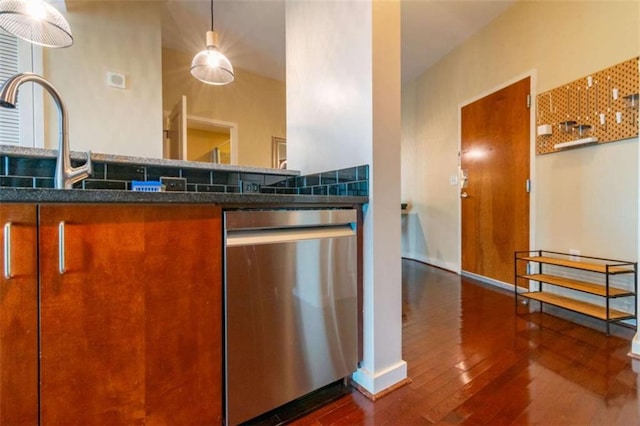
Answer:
x=18 y=315
x=494 y=160
x=131 y=315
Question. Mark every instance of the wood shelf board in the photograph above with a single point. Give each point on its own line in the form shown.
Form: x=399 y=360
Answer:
x=587 y=266
x=577 y=306
x=597 y=289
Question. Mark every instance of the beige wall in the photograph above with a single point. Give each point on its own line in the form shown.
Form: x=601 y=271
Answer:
x=202 y=142
x=115 y=36
x=585 y=199
x=256 y=104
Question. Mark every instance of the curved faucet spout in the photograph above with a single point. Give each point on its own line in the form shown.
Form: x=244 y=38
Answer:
x=66 y=175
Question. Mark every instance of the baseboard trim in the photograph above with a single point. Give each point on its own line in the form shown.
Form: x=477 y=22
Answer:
x=635 y=346
x=490 y=281
x=377 y=382
x=374 y=397
x=432 y=262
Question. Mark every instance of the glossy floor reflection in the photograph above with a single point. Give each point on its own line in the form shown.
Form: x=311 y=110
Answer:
x=473 y=361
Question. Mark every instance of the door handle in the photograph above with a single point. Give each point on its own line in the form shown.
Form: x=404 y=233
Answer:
x=61 y=266
x=7 y=251
x=464 y=195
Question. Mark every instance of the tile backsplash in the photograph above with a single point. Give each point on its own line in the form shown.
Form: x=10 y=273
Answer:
x=32 y=172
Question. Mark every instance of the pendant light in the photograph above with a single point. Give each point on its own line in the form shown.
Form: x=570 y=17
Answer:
x=209 y=65
x=35 y=21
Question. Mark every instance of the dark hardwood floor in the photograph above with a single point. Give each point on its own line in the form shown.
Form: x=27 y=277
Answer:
x=473 y=361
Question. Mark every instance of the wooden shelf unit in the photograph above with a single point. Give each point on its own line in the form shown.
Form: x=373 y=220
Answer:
x=601 y=288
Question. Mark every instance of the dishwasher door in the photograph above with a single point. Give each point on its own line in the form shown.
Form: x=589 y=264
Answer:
x=290 y=306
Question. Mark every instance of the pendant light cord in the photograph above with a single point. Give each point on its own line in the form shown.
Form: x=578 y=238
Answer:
x=211 y=15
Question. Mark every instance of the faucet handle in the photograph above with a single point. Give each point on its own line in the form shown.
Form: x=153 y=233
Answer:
x=89 y=164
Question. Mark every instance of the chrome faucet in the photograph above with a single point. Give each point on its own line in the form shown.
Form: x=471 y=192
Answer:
x=66 y=175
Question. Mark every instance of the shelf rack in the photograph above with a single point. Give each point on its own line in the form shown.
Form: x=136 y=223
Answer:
x=597 y=265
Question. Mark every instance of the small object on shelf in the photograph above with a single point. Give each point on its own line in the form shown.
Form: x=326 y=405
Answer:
x=558 y=280
x=567 y=126
x=632 y=101
x=583 y=129
x=146 y=186
x=579 y=142
x=545 y=130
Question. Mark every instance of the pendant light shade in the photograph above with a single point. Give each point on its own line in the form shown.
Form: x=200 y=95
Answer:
x=35 y=21
x=210 y=65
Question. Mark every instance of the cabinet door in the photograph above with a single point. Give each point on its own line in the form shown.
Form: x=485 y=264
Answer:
x=183 y=280
x=92 y=315
x=131 y=314
x=18 y=316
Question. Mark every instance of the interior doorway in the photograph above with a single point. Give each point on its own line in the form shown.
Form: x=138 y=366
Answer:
x=193 y=138
x=495 y=170
x=208 y=143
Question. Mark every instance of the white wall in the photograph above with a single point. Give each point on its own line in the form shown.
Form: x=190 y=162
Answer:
x=343 y=109
x=583 y=199
x=116 y=36
x=329 y=86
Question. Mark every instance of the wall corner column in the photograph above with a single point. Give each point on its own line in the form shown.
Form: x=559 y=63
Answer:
x=343 y=110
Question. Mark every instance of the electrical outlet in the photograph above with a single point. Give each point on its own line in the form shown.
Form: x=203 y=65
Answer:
x=249 y=187
x=174 y=183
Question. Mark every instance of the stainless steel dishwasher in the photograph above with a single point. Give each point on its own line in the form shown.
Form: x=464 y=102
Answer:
x=290 y=305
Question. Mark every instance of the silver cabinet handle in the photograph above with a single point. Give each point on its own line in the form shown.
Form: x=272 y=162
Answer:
x=464 y=195
x=61 y=266
x=7 y=251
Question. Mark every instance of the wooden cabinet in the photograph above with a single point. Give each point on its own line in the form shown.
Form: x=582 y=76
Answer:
x=599 y=283
x=130 y=315
x=18 y=315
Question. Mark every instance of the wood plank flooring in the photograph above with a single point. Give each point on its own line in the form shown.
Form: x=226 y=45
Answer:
x=473 y=361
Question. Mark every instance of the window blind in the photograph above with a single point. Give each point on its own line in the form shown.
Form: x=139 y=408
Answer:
x=9 y=118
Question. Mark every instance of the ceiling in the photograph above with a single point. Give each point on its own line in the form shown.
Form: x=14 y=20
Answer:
x=252 y=32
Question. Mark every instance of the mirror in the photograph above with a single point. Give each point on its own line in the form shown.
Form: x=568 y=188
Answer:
x=129 y=66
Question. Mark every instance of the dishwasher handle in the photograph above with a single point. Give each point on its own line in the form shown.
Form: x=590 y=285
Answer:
x=280 y=219
x=276 y=236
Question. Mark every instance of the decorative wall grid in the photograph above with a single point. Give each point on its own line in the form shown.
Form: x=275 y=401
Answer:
x=601 y=107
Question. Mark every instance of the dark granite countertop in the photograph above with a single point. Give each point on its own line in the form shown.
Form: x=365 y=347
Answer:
x=142 y=161
x=42 y=195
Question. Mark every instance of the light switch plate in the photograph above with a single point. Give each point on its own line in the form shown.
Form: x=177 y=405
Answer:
x=453 y=180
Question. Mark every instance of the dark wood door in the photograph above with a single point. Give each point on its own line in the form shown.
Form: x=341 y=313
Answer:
x=495 y=160
x=131 y=318
x=92 y=315
x=18 y=315
x=183 y=300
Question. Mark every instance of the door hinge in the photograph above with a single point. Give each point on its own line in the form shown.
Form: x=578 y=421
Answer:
x=528 y=185
x=528 y=101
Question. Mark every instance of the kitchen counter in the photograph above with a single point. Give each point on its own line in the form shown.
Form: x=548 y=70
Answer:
x=45 y=195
